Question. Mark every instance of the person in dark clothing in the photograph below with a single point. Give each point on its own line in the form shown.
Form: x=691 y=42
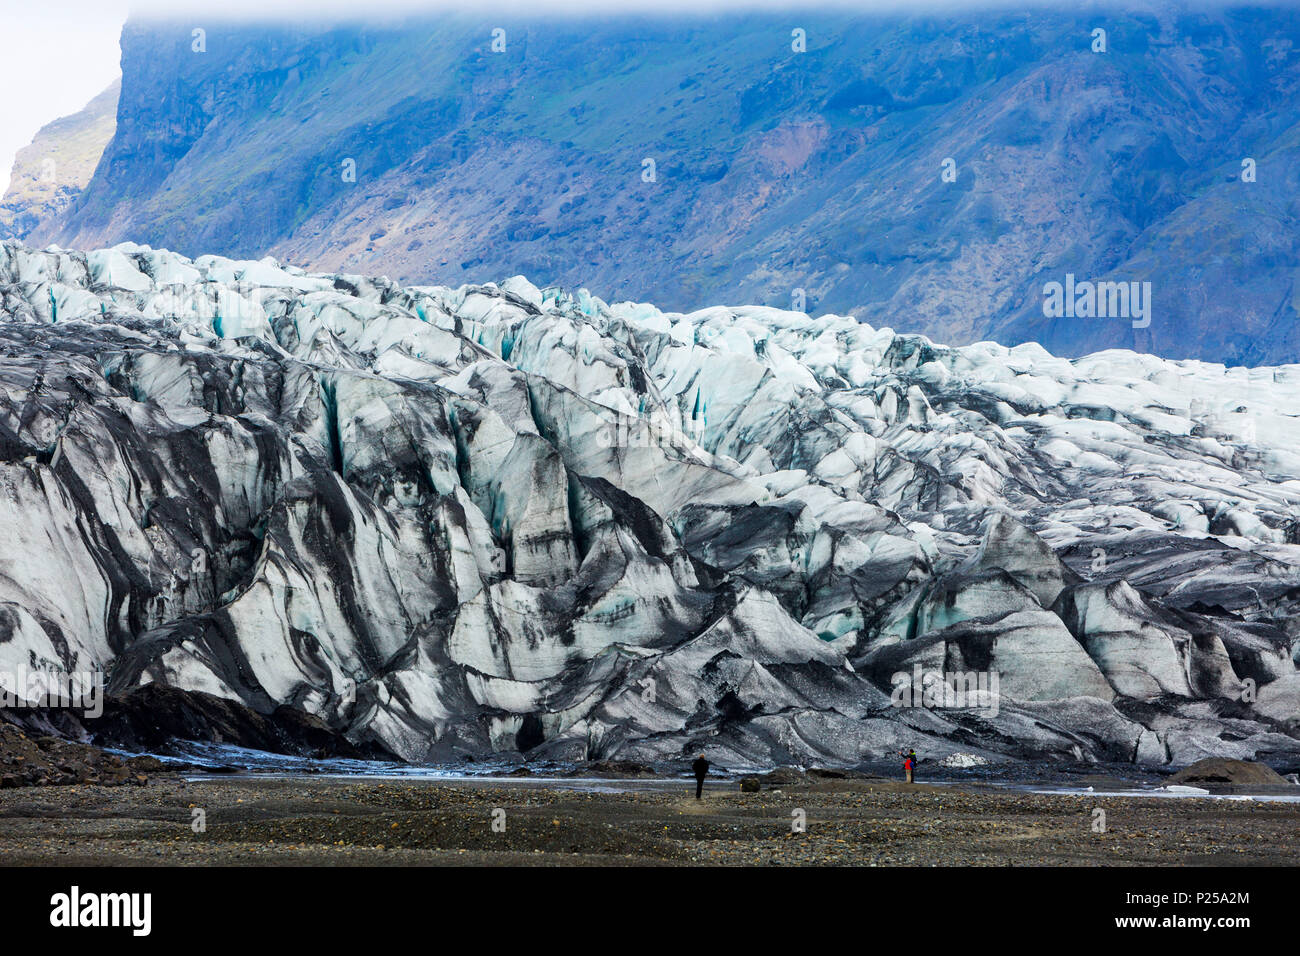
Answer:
x=700 y=768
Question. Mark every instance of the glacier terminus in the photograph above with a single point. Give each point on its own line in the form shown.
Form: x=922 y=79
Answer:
x=498 y=519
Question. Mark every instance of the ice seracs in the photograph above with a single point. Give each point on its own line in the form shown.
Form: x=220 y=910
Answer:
x=502 y=518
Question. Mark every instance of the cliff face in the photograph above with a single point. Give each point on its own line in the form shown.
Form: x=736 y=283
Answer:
x=494 y=519
x=50 y=173
x=773 y=170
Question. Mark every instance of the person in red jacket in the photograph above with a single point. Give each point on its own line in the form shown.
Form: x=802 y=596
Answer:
x=909 y=764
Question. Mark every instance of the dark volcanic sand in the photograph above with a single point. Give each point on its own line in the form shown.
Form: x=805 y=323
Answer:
x=326 y=821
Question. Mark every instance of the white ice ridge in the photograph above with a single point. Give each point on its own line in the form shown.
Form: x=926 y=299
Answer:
x=498 y=517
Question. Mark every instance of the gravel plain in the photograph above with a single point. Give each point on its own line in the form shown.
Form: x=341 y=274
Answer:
x=859 y=821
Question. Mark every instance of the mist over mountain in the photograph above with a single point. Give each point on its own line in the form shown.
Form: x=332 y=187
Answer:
x=774 y=171
x=50 y=172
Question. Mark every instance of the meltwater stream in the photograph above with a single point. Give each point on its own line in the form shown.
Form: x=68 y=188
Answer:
x=234 y=762
x=227 y=761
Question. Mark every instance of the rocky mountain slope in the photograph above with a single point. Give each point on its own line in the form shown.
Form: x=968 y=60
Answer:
x=498 y=519
x=776 y=167
x=52 y=171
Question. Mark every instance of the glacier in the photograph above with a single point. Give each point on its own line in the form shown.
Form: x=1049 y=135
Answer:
x=499 y=519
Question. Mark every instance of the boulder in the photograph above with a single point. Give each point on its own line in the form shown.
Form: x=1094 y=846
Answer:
x=1223 y=771
x=784 y=776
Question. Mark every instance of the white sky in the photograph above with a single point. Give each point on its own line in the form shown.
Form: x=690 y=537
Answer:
x=53 y=60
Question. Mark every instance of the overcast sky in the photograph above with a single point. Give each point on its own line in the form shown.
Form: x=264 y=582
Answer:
x=56 y=56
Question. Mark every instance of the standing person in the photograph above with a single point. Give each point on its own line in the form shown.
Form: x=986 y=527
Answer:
x=909 y=764
x=700 y=768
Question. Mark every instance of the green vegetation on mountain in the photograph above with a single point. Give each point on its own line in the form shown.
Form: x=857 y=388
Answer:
x=774 y=170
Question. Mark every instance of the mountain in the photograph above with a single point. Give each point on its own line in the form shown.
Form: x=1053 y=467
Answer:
x=50 y=173
x=493 y=519
x=774 y=170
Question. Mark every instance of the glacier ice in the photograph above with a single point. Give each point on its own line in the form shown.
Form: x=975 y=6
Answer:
x=502 y=518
